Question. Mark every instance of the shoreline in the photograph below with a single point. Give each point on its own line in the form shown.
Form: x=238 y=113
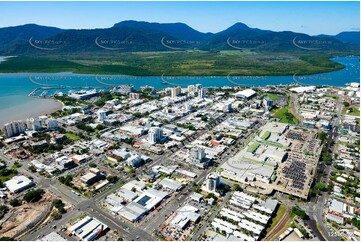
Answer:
x=48 y=107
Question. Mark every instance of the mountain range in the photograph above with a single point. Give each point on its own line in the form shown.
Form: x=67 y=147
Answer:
x=136 y=36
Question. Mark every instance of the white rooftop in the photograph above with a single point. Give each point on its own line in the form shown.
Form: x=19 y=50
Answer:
x=245 y=93
x=18 y=183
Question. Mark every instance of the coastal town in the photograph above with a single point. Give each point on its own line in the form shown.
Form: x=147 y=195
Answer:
x=278 y=162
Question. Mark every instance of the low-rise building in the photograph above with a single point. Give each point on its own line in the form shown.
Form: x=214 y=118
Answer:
x=18 y=184
x=92 y=177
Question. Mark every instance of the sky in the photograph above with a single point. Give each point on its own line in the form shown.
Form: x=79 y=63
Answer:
x=307 y=17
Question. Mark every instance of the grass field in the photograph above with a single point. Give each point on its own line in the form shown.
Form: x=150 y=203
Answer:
x=17 y=165
x=285 y=116
x=176 y=63
x=266 y=135
x=272 y=96
x=72 y=136
x=253 y=147
x=355 y=111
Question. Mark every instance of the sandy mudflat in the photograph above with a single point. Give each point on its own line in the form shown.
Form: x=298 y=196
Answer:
x=33 y=108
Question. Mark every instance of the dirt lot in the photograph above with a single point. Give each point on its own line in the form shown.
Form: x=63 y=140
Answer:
x=26 y=216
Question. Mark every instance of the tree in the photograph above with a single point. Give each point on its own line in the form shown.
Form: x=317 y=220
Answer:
x=56 y=215
x=66 y=180
x=355 y=222
x=32 y=168
x=58 y=203
x=346 y=104
x=327 y=158
x=15 y=202
x=236 y=187
x=112 y=179
x=93 y=165
x=320 y=186
x=34 y=195
x=5 y=238
x=330 y=186
x=339 y=167
x=100 y=127
x=323 y=136
x=137 y=114
x=3 y=209
x=302 y=214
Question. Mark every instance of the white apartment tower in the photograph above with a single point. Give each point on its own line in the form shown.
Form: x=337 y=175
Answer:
x=212 y=181
x=175 y=91
x=102 y=115
x=155 y=134
x=202 y=93
x=33 y=124
x=14 y=128
x=52 y=123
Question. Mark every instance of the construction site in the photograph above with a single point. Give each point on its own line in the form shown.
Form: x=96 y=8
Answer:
x=20 y=220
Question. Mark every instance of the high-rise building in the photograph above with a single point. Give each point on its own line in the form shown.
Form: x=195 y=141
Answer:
x=51 y=123
x=198 y=87
x=212 y=181
x=198 y=153
x=102 y=115
x=33 y=124
x=191 y=88
x=155 y=134
x=8 y=130
x=175 y=91
x=202 y=93
x=267 y=103
x=14 y=128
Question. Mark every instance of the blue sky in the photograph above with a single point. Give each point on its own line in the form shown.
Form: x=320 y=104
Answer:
x=306 y=17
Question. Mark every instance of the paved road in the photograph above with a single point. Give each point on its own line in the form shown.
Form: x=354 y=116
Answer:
x=319 y=207
x=203 y=225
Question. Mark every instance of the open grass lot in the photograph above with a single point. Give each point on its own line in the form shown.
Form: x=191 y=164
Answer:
x=16 y=165
x=285 y=116
x=355 y=111
x=72 y=136
x=273 y=97
x=176 y=63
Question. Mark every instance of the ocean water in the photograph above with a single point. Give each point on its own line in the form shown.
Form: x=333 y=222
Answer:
x=14 y=88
